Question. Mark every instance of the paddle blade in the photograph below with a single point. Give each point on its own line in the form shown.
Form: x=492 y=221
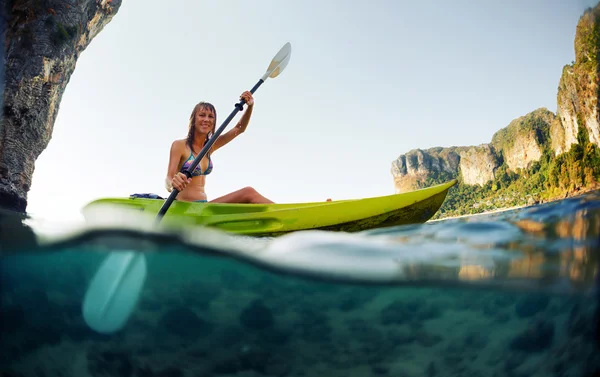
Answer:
x=114 y=291
x=279 y=62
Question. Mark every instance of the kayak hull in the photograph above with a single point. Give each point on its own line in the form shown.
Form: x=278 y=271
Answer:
x=416 y=213
x=352 y=215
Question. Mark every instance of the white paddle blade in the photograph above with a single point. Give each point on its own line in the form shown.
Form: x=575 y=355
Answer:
x=114 y=291
x=279 y=62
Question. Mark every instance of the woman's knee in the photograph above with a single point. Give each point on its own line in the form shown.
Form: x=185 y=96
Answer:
x=249 y=193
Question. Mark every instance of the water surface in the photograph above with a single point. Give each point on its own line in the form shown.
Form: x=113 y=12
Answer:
x=512 y=293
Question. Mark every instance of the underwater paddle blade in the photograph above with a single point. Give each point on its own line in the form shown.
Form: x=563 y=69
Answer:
x=114 y=291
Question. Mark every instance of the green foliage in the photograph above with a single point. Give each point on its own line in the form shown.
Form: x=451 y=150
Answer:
x=542 y=180
x=588 y=40
x=533 y=123
x=63 y=34
x=436 y=177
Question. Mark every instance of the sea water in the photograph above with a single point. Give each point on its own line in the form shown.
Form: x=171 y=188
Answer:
x=512 y=293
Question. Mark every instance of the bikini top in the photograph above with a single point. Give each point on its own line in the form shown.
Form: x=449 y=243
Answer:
x=198 y=170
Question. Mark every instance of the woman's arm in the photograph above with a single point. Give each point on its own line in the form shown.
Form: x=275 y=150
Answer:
x=174 y=160
x=240 y=127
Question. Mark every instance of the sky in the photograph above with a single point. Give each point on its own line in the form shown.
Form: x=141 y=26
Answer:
x=366 y=82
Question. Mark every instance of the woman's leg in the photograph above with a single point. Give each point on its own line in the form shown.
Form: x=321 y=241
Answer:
x=244 y=195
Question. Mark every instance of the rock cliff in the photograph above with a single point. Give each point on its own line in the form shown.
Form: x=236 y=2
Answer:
x=578 y=90
x=412 y=169
x=518 y=145
x=526 y=138
x=42 y=41
x=478 y=164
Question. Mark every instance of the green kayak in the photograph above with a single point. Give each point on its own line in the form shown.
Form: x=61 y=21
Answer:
x=274 y=219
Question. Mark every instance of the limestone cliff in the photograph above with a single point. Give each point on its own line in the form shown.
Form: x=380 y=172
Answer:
x=518 y=145
x=578 y=90
x=412 y=169
x=42 y=41
x=478 y=164
x=524 y=139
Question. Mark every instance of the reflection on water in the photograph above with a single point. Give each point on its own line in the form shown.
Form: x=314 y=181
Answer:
x=469 y=272
x=547 y=248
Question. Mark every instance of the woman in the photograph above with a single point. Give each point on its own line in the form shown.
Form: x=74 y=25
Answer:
x=183 y=152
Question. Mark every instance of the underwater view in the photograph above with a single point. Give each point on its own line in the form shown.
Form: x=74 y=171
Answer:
x=511 y=293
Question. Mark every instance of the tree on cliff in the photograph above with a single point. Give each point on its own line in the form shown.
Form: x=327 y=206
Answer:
x=42 y=42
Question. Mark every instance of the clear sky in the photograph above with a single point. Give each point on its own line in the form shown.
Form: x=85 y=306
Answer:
x=367 y=81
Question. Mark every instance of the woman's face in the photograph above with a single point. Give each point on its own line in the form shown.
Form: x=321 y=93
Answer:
x=205 y=120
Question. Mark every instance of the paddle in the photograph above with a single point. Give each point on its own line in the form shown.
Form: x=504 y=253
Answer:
x=277 y=65
x=115 y=288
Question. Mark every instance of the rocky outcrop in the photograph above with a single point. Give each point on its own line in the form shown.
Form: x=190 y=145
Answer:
x=518 y=145
x=478 y=164
x=568 y=106
x=2 y=53
x=558 y=137
x=524 y=139
x=412 y=169
x=43 y=40
x=578 y=90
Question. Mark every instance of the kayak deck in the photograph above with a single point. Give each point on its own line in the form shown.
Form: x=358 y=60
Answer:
x=351 y=215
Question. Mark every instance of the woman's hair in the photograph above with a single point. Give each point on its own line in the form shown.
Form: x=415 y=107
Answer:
x=192 y=124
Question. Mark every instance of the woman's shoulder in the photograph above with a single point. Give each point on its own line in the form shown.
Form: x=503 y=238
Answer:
x=179 y=143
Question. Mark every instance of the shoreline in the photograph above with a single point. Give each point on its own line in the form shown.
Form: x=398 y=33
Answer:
x=498 y=210
x=566 y=195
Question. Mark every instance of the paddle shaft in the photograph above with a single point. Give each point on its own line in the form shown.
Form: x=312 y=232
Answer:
x=188 y=173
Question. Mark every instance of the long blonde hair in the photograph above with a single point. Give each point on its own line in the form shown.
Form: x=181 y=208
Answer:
x=192 y=123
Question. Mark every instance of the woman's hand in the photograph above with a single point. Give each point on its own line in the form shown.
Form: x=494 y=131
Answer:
x=247 y=97
x=180 y=181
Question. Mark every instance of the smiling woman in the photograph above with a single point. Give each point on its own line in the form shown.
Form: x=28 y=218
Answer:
x=184 y=151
